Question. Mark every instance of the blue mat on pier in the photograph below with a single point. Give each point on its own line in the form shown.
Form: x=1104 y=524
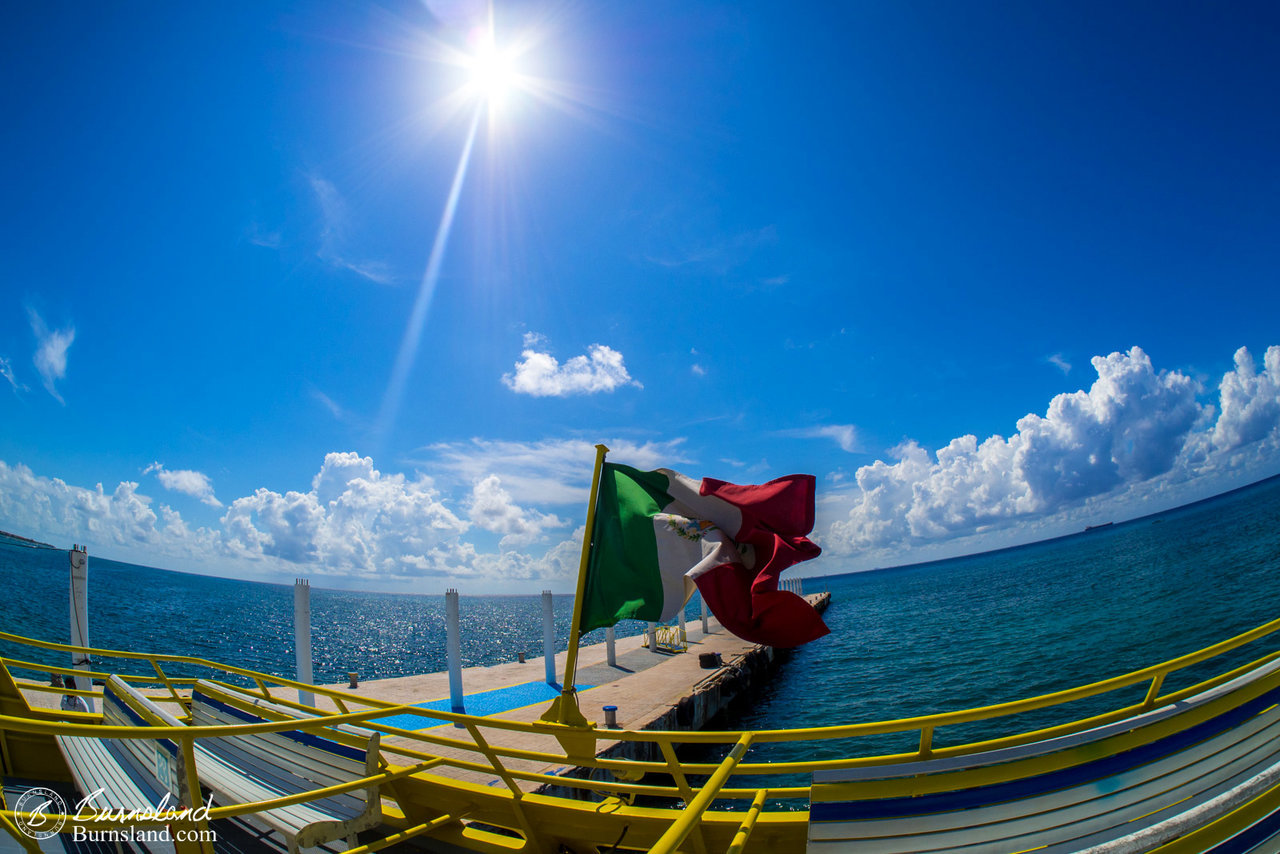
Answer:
x=483 y=704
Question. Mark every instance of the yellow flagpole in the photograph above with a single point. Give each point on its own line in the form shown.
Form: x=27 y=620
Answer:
x=564 y=709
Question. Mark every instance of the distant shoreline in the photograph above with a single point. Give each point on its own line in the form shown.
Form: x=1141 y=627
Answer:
x=22 y=539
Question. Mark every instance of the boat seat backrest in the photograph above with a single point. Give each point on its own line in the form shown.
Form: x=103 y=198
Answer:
x=322 y=757
x=267 y=709
x=124 y=705
x=256 y=766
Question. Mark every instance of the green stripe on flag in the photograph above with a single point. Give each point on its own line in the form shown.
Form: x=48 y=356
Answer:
x=623 y=582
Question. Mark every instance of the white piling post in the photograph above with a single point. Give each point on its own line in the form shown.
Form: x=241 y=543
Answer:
x=651 y=632
x=79 y=557
x=453 y=650
x=705 y=628
x=800 y=584
x=549 y=636
x=302 y=637
x=610 y=646
x=683 y=632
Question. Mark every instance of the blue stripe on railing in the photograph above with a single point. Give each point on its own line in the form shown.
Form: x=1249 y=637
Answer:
x=1251 y=837
x=1012 y=790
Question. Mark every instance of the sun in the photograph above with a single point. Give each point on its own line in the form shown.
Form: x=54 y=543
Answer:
x=493 y=73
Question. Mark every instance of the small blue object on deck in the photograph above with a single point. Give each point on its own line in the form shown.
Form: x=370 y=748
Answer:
x=482 y=704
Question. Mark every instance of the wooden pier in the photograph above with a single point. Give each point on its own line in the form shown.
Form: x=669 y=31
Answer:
x=651 y=690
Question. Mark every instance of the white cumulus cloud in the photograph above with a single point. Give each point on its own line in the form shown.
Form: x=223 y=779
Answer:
x=1250 y=401
x=53 y=510
x=353 y=520
x=193 y=483
x=540 y=374
x=1129 y=427
x=492 y=509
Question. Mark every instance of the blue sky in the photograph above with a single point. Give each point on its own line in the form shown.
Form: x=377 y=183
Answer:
x=739 y=240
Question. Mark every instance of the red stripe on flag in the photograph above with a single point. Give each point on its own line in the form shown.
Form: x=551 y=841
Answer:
x=776 y=516
x=784 y=505
x=778 y=618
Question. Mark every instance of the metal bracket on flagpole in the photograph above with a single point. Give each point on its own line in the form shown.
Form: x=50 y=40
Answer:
x=564 y=711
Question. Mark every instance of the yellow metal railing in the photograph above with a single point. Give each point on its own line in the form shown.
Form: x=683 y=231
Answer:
x=438 y=763
x=671 y=639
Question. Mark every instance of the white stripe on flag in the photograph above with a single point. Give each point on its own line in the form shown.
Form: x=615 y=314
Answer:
x=686 y=501
x=686 y=549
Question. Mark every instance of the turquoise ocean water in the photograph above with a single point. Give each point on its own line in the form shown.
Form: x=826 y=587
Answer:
x=952 y=634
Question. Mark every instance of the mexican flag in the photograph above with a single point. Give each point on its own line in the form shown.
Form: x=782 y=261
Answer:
x=659 y=535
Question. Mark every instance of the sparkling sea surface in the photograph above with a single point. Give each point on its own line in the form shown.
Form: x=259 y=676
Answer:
x=948 y=635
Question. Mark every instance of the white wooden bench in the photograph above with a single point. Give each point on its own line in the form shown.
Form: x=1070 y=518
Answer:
x=1128 y=786
x=262 y=766
x=128 y=774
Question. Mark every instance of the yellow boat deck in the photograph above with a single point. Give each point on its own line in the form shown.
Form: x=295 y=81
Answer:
x=1191 y=768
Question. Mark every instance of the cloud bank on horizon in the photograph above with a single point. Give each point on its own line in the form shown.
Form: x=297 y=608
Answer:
x=486 y=511
x=1133 y=426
